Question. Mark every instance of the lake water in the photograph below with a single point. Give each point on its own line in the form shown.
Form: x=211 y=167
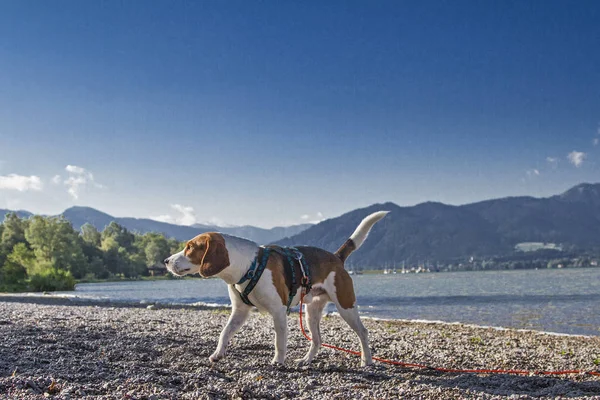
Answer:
x=562 y=301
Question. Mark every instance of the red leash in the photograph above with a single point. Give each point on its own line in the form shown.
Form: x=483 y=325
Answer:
x=451 y=370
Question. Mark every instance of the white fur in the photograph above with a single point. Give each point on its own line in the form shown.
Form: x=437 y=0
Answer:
x=241 y=254
x=363 y=229
x=314 y=312
x=180 y=265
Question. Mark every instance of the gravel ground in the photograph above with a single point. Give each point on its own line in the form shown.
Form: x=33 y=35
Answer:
x=54 y=348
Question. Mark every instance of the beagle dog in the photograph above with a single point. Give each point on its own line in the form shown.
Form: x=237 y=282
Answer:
x=229 y=257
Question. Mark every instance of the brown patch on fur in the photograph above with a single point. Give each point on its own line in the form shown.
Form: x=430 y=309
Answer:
x=346 y=249
x=344 y=289
x=275 y=265
x=208 y=250
x=321 y=262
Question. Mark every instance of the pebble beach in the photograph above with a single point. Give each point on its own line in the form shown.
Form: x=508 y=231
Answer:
x=64 y=349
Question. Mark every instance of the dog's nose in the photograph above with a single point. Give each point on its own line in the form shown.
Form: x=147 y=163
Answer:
x=166 y=261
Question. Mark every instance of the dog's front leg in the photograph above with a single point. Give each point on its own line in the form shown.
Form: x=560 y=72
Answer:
x=236 y=320
x=239 y=314
x=281 y=332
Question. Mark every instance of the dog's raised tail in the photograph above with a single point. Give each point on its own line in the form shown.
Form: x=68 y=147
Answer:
x=360 y=234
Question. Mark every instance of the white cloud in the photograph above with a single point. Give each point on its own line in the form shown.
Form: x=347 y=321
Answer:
x=78 y=178
x=75 y=169
x=596 y=141
x=307 y=218
x=56 y=179
x=576 y=158
x=164 y=218
x=533 y=172
x=20 y=183
x=187 y=216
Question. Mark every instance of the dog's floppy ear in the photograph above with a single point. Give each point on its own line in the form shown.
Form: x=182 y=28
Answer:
x=216 y=256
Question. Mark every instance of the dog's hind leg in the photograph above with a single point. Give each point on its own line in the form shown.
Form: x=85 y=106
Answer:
x=341 y=291
x=350 y=315
x=314 y=312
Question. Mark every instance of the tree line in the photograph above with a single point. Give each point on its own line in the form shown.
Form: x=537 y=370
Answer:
x=46 y=253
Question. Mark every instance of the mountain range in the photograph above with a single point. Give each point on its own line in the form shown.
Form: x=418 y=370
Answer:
x=427 y=231
x=439 y=232
x=78 y=216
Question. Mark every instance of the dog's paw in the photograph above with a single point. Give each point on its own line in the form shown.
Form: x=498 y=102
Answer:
x=216 y=356
x=277 y=362
x=365 y=363
x=303 y=361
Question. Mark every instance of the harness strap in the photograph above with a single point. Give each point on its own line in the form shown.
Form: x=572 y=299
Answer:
x=260 y=263
x=306 y=278
x=293 y=288
x=254 y=273
x=293 y=254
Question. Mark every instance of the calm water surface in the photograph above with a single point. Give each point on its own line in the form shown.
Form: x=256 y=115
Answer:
x=564 y=301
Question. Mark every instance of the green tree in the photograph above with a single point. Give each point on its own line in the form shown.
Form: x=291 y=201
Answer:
x=156 y=248
x=3 y=252
x=90 y=235
x=97 y=267
x=91 y=245
x=113 y=259
x=135 y=265
x=120 y=234
x=13 y=232
x=175 y=246
x=154 y=254
x=52 y=279
x=56 y=245
x=13 y=271
x=22 y=257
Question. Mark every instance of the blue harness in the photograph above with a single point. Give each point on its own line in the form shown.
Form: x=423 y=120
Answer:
x=292 y=255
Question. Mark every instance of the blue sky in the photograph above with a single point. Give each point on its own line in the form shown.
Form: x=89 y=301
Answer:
x=279 y=112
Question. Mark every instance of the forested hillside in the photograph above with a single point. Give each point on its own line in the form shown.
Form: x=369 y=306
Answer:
x=47 y=253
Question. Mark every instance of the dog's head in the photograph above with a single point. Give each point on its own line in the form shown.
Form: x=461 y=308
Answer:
x=205 y=254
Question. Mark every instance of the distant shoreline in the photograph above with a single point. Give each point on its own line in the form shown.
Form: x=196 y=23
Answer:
x=21 y=289
x=354 y=271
